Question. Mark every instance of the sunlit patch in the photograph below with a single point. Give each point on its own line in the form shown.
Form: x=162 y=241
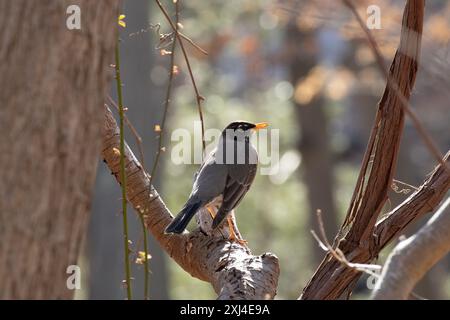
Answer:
x=284 y=90
x=140 y=259
x=287 y=165
x=339 y=84
x=308 y=87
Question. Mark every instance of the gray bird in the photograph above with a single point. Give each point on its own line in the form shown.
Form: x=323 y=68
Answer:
x=224 y=177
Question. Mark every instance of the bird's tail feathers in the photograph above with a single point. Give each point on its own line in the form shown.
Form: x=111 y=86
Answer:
x=180 y=222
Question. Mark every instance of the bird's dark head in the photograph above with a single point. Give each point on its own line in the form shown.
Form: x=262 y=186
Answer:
x=241 y=130
x=234 y=146
x=245 y=126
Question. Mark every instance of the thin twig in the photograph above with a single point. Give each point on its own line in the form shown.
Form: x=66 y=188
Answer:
x=396 y=188
x=338 y=254
x=199 y=98
x=146 y=266
x=158 y=26
x=144 y=229
x=122 y=172
x=166 y=102
x=196 y=46
x=406 y=184
x=404 y=102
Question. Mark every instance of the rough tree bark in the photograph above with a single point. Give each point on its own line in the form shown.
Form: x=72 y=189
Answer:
x=412 y=258
x=230 y=267
x=53 y=82
x=425 y=200
x=358 y=238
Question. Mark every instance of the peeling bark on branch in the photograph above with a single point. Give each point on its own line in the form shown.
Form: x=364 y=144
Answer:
x=412 y=258
x=425 y=200
x=332 y=280
x=231 y=269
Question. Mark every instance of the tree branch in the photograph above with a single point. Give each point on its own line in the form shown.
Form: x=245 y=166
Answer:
x=412 y=258
x=421 y=202
x=230 y=267
x=425 y=200
x=332 y=280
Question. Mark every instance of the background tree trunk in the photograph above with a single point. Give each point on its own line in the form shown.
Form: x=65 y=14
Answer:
x=144 y=101
x=317 y=162
x=52 y=88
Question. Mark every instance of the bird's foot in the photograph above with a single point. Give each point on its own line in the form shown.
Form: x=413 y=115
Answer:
x=242 y=242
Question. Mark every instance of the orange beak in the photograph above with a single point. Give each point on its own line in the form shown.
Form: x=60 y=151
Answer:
x=260 y=125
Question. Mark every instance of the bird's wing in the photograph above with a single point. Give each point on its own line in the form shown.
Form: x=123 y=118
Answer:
x=238 y=182
x=210 y=180
x=207 y=160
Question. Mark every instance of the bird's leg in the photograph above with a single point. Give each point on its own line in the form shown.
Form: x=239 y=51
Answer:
x=233 y=236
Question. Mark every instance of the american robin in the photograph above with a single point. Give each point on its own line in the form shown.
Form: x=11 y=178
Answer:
x=223 y=178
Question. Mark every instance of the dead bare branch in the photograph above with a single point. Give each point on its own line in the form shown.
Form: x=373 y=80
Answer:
x=338 y=254
x=412 y=258
x=411 y=49
x=424 y=200
x=332 y=280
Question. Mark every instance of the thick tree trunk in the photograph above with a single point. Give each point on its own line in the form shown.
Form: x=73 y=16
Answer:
x=53 y=82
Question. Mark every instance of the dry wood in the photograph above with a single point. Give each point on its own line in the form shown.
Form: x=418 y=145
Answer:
x=231 y=269
x=332 y=280
x=412 y=258
x=422 y=201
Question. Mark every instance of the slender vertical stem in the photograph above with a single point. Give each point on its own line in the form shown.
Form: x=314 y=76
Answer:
x=158 y=152
x=141 y=156
x=167 y=100
x=122 y=173
x=146 y=267
x=198 y=97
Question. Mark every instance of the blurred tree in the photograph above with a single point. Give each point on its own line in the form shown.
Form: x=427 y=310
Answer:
x=144 y=101
x=52 y=88
x=314 y=145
